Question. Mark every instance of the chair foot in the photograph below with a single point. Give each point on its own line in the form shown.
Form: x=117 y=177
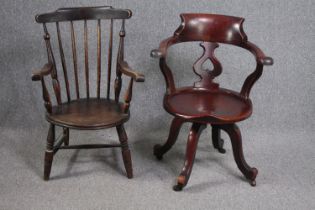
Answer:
x=127 y=162
x=191 y=147
x=157 y=151
x=178 y=187
x=49 y=154
x=48 y=163
x=182 y=181
x=236 y=139
x=221 y=149
x=217 y=141
x=125 y=150
x=160 y=150
x=251 y=176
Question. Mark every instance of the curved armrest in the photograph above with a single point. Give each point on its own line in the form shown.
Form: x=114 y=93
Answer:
x=262 y=61
x=38 y=76
x=161 y=52
x=125 y=69
x=156 y=53
x=261 y=58
x=45 y=70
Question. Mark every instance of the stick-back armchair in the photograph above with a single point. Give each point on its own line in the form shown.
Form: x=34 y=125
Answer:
x=80 y=110
x=205 y=102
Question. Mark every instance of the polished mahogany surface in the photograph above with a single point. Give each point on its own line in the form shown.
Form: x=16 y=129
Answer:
x=201 y=105
x=211 y=28
x=205 y=102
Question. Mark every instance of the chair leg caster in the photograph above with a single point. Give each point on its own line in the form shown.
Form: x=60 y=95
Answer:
x=181 y=183
x=220 y=146
x=216 y=139
x=156 y=152
x=222 y=151
x=251 y=176
x=252 y=183
x=178 y=187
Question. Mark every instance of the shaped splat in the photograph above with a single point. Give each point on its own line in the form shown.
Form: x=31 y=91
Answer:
x=207 y=75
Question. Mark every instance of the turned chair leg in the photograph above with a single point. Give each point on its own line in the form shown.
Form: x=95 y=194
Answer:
x=125 y=150
x=236 y=140
x=49 y=154
x=66 y=134
x=160 y=150
x=216 y=139
x=192 y=143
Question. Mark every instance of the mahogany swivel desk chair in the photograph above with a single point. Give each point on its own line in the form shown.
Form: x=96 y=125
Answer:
x=205 y=102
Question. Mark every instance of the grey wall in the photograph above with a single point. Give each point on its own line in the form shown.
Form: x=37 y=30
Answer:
x=283 y=97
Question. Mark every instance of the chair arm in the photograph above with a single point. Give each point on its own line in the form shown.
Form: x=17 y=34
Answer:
x=261 y=58
x=125 y=69
x=162 y=51
x=262 y=61
x=45 y=70
x=38 y=76
x=161 y=54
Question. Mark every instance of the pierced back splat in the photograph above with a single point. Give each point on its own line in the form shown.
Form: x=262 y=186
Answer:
x=207 y=75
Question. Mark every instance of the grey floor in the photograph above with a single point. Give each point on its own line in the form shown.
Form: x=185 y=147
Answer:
x=94 y=179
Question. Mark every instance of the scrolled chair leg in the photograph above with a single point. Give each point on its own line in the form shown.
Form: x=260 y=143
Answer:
x=217 y=141
x=236 y=139
x=125 y=150
x=160 y=150
x=49 y=154
x=191 y=147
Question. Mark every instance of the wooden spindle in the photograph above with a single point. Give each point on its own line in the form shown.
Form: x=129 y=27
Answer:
x=86 y=53
x=63 y=62
x=46 y=96
x=75 y=65
x=51 y=59
x=98 y=58
x=117 y=85
x=110 y=51
x=120 y=57
x=128 y=96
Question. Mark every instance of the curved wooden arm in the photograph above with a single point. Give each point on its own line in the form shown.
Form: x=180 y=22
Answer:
x=261 y=58
x=162 y=51
x=168 y=76
x=125 y=69
x=45 y=70
x=251 y=79
x=39 y=76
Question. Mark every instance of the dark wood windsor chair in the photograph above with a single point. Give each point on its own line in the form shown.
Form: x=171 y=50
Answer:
x=84 y=112
x=205 y=102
